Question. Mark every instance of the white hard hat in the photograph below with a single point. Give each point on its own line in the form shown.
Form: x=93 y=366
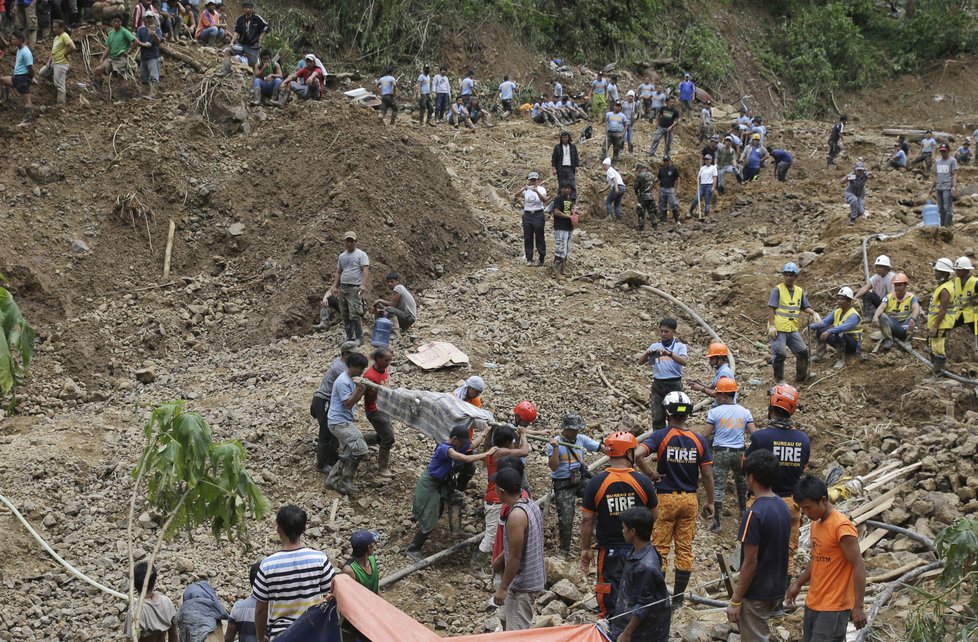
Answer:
x=883 y=260
x=606 y=162
x=944 y=265
x=630 y=93
x=846 y=292
x=963 y=263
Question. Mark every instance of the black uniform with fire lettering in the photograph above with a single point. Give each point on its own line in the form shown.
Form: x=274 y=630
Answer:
x=791 y=447
x=607 y=495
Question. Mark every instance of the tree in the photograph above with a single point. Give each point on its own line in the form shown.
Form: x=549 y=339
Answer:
x=16 y=347
x=191 y=481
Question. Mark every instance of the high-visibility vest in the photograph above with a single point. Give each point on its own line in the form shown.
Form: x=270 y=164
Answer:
x=856 y=333
x=935 y=306
x=899 y=310
x=964 y=292
x=789 y=307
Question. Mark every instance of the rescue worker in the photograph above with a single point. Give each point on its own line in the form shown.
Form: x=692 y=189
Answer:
x=878 y=286
x=786 y=303
x=608 y=494
x=726 y=156
x=616 y=123
x=569 y=475
x=680 y=456
x=940 y=314
x=667 y=356
x=718 y=356
x=840 y=329
x=327 y=446
x=729 y=424
x=630 y=109
x=470 y=391
x=898 y=314
x=855 y=192
x=752 y=158
x=965 y=302
x=598 y=97
x=791 y=447
x=645 y=197
x=668 y=179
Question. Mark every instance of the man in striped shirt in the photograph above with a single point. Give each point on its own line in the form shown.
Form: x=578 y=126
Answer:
x=291 y=581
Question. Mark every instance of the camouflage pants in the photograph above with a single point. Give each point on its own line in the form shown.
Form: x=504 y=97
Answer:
x=565 y=501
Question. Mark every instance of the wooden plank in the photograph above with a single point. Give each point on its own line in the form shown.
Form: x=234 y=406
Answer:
x=893 y=475
x=872 y=539
x=874 y=503
x=887 y=505
x=169 y=250
x=725 y=573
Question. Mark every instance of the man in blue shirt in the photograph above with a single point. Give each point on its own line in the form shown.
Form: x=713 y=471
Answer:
x=23 y=75
x=687 y=91
x=388 y=94
x=667 y=357
x=898 y=160
x=615 y=125
x=569 y=473
x=752 y=158
x=729 y=423
x=339 y=419
x=467 y=88
x=839 y=329
x=422 y=92
x=782 y=162
x=505 y=94
x=764 y=535
x=643 y=595
x=599 y=97
x=149 y=37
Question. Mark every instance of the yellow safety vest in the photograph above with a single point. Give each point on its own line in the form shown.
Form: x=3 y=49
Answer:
x=935 y=306
x=899 y=310
x=964 y=292
x=838 y=318
x=789 y=307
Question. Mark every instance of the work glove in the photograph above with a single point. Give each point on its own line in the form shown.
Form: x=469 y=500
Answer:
x=816 y=317
x=772 y=332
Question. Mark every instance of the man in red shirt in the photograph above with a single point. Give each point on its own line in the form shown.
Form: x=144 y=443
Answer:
x=306 y=83
x=379 y=374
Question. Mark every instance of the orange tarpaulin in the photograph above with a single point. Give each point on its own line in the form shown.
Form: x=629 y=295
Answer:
x=381 y=621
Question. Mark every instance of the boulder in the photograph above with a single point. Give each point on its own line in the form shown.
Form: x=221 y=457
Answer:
x=146 y=375
x=566 y=591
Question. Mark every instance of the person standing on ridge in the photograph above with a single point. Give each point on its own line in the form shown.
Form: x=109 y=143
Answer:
x=534 y=197
x=835 y=138
x=687 y=92
x=350 y=284
x=442 y=87
x=422 y=93
x=785 y=304
x=564 y=162
x=667 y=357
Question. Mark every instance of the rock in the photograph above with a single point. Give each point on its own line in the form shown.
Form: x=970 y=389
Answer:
x=70 y=390
x=566 y=591
x=807 y=258
x=50 y=520
x=146 y=521
x=557 y=570
x=45 y=173
x=696 y=633
x=183 y=565
x=546 y=621
x=720 y=630
x=79 y=246
x=236 y=229
x=723 y=272
x=146 y=375
x=632 y=277
x=493 y=625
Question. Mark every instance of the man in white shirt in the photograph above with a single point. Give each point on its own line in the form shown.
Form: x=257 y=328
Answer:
x=388 y=94
x=616 y=190
x=707 y=185
x=534 y=196
x=443 y=93
x=878 y=286
x=350 y=283
x=422 y=93
x=505 y=94
x=706 y=121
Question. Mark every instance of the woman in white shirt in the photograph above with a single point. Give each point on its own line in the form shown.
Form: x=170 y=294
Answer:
x=534 y=196
x=707 y=184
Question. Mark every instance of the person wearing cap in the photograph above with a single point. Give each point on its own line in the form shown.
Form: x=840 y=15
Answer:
x=616 y=190
x=470 y=391
x=898 y=160
x=718 y=356
x=362 y=564
x=940 y=314
x=707 y=185
x=140 y=11
x=835 y=138
x=878 y=286
x=598 y=97
x=119 y=41
x=965 y=301
x=327 y=447
x=564 y=162
x=855 y=194
x=687 y=92
x=388 y=94
x=645 y=197
x=208 y=25
x=563 y=210
x=630 y=109
x=341 y=423
x=726 y=162
x=247 y=36
x=306 y=82
x=706 y=121
x=927 y=146
x=668 y=179
x=616 y=124
x=964 y=154
x=351 y=281
x=840 y=329
x=667 y=357
x=569 y=475
x=752 y=158
x=609 y=493
x=668 y=119
x=149 y=36
x=782 y=162
x=729 y=424
x=437 y=487
x=898 y=313
x=945 y=182
x=785 y=304
x=442 y=87
x=401 y=306
x=268 y=79
x=534 y=198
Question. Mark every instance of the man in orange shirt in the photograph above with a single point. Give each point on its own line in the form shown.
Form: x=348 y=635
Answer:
x=836 y=571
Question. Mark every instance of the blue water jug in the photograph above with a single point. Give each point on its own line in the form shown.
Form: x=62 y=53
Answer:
x=931 y=214
x=382 y=332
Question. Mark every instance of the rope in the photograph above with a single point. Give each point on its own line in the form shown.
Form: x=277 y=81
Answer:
x=684 y=593
x=71 y=569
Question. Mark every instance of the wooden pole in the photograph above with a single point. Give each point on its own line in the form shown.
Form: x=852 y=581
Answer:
x=169 y=250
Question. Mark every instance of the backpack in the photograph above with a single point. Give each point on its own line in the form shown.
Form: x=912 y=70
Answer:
x=587 y=133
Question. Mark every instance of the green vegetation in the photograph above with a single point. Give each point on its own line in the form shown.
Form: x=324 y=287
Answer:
x=952 y=611
x=16 y=347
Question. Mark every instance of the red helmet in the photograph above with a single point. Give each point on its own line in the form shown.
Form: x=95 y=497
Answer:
x=619 y=443
x=525 y=411
x=785 y=397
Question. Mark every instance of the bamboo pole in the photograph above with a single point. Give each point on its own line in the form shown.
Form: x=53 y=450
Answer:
x=169 y=250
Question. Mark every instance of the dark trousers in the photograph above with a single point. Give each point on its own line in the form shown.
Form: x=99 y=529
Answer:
x=318 y=409
x=382 y=426
x=611 y=565
x=533 y=234
x=567 y=175
x=565 y=500
x=660 y=388
x=441 y=105
x=871 y=301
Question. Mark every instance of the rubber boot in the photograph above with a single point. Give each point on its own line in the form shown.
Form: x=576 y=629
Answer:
x=742 y=500
x=256 y=96
x=801 y=367
x=350 y=473
x=321 y=464
x=323 y=320
x=478 y=563
x=28 y=116
x=334 y=481
x=887 y=333
x=370 y=438
x=62 y=97
x=350 y=331
x=840 y=361
x=563 y=267
x=384 y=463
x=778 y=371
x=283 y=96
x=820 y=347
x=679 y=589
x=225 y=68
x=357 y=330
x=455 y=521
x=938 y=364
x=414 y=550
x=717 y=508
